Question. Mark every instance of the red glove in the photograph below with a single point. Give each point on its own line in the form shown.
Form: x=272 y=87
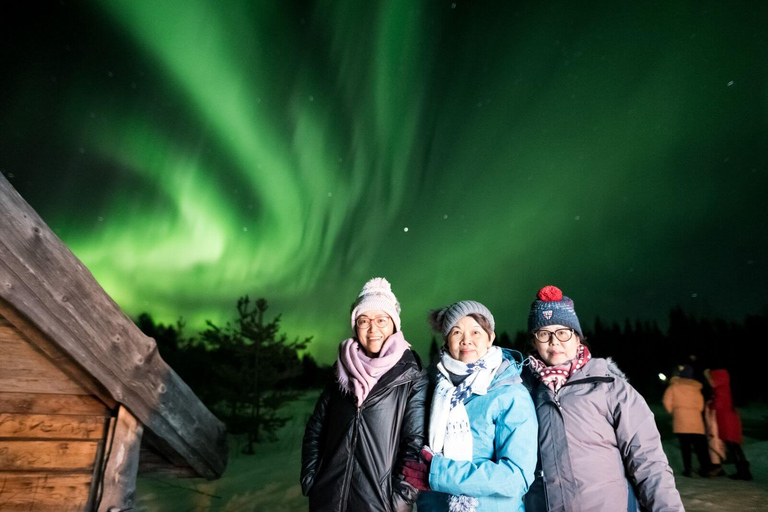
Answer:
x=417 y=473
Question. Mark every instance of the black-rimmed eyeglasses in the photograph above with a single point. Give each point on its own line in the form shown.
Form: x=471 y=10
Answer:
x=544 y=336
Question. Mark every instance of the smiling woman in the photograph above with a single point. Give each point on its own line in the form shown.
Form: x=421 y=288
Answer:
x=370 y=420
x=482 y=425
x=470 y=338
x=599 y=448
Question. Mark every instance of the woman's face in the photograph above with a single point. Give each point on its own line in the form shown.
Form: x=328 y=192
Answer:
x=467 y=341
x=555 y=351
x=373 y=328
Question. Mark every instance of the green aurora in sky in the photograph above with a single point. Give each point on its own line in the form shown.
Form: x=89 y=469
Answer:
x=190 y=153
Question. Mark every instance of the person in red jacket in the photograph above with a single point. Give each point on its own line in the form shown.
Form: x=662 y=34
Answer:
x=728 y=421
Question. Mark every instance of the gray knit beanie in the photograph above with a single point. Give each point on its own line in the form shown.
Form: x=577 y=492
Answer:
x=376 y=294
x=551 y=307
x=443 y=319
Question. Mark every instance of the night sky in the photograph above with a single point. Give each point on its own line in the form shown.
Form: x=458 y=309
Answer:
x=189 y=153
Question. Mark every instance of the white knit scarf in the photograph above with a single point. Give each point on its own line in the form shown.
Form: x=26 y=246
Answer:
x=450 y=434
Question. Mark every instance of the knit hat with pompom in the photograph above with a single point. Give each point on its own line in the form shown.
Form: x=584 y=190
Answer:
x=377 y=294
x=551 y=307
x=443 y=319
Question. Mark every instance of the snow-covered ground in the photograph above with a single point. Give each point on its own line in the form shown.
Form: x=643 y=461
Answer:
x=269 y=480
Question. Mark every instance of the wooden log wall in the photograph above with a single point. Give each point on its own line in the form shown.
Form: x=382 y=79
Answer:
x=52 y=430
x=41 y=280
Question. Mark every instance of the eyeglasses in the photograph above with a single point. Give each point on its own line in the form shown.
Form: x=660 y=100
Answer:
x=546 y=336
x=364 y=322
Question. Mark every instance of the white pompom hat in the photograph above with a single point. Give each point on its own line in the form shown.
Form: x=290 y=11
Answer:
x=377 y=294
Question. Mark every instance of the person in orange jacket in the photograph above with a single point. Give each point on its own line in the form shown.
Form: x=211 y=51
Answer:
x=683 y=399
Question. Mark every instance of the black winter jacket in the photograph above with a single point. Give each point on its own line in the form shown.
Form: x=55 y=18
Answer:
x=352 y=458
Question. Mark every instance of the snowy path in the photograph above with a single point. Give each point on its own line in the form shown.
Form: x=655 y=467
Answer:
x=269 y=481
x=723 y=494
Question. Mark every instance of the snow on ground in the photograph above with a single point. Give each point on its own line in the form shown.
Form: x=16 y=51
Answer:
x=269 y=481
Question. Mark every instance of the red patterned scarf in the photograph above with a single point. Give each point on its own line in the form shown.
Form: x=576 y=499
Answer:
x=555 y=376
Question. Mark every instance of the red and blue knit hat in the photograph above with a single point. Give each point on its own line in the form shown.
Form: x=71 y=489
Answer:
x=551 y=307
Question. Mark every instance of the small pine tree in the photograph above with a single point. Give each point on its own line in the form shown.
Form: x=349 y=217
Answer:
x=259 y=367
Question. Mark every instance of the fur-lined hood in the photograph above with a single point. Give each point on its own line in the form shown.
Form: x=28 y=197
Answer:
x=599 y=367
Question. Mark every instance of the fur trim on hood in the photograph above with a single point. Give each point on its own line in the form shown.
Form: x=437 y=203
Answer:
x=613 y=369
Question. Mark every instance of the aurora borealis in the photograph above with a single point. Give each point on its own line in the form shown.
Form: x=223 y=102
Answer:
x=190 y=153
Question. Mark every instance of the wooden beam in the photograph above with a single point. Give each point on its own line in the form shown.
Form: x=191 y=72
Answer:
x=42 y=280
x=119 y=480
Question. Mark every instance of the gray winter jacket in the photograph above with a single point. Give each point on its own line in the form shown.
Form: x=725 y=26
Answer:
x=596 y=435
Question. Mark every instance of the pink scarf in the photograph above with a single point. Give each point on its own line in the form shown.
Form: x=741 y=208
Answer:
x=555 y=376
x=357 y=373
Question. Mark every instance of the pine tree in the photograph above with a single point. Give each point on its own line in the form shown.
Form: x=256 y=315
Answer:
x=258 y=364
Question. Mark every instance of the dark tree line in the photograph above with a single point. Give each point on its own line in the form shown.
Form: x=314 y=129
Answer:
x=244 y=371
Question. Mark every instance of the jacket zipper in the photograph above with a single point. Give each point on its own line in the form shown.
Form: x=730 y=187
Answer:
x=556 y=396
x=347 y=472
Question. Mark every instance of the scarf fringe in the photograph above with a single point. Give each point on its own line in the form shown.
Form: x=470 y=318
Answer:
x=462 y=503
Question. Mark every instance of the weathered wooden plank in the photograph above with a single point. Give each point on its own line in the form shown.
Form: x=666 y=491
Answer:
x=61 y=363
x=43 y=492
x=47 y=455
x=51 y=426
x=24 y=368
x=43 y=280
x=119 y=480
x=43 y=403
x=16 y=384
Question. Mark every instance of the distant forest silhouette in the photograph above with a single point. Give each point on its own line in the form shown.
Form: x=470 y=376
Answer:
x=246 y=370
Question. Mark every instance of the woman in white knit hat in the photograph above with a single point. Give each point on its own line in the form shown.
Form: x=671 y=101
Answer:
x=370 y=420
x=482 y=425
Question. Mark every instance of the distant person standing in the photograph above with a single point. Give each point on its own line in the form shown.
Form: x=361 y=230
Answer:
x=370 y=419
x=683 y=399
x=728 y=421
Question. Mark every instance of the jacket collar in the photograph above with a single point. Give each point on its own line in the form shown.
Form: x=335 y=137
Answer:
x=407 y=369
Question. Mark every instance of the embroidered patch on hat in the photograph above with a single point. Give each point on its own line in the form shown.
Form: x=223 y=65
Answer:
x=547 y=314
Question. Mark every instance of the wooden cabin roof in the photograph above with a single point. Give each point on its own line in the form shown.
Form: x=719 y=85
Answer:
x=53 y=291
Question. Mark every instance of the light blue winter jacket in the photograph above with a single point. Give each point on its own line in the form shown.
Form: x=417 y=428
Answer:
x=504 y=441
